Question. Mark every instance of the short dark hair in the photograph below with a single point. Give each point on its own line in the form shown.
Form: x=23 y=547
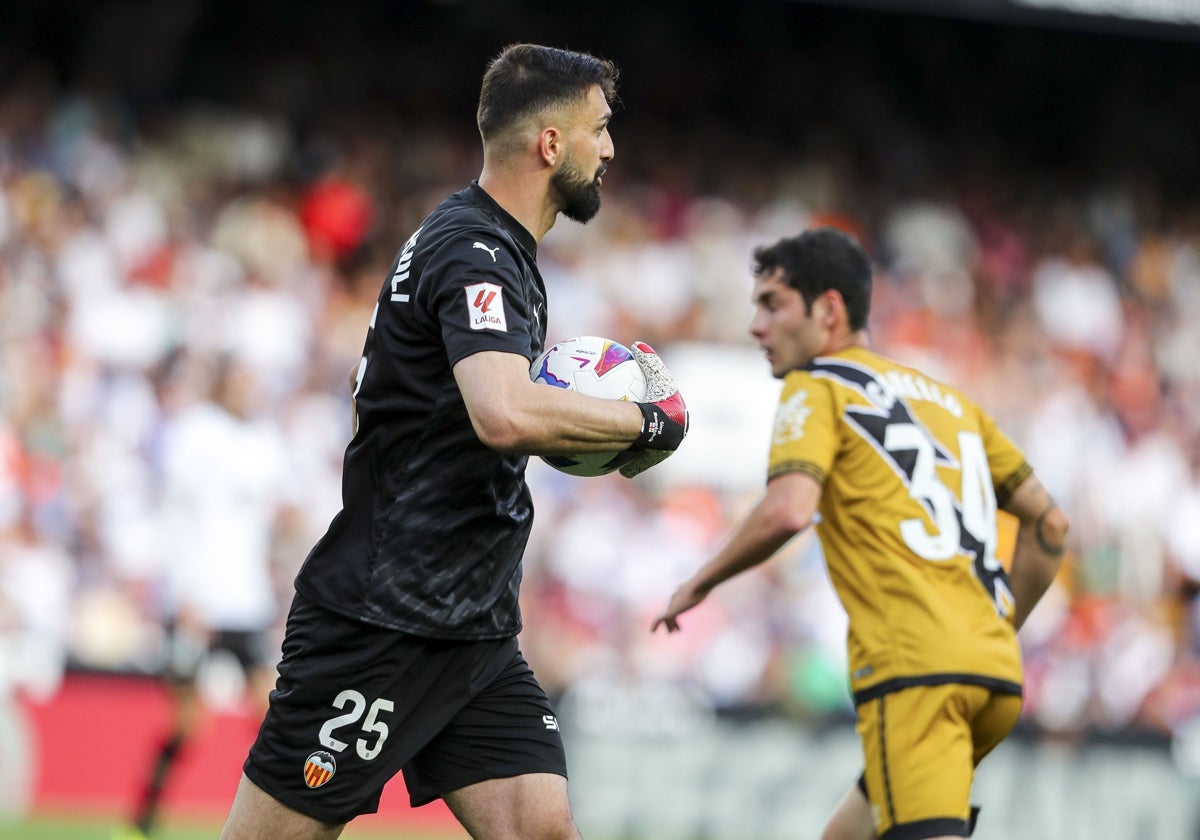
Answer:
x=819 y=260
x=526 y=78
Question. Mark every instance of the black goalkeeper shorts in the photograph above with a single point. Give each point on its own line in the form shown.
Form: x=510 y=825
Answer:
x=355 y=704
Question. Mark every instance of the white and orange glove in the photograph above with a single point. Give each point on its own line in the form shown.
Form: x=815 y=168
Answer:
x=664 y=414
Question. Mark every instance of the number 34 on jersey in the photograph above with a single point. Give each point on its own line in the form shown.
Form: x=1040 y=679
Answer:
x=885 y=425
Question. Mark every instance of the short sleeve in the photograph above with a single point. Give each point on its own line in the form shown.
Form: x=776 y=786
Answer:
x=805 y=435
x=1007 y=462
x=479 y=296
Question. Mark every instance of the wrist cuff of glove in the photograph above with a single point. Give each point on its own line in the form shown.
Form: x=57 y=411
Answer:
x=658 y=430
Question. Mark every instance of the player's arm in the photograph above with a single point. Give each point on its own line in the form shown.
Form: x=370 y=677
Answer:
x=511 y=413
x=784 y=510
x=1041 y=541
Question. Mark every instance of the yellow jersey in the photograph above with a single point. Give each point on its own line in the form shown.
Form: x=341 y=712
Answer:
x=912 y=474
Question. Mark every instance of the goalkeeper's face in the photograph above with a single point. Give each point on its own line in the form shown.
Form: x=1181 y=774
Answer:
x=578 y=192
x=589 y=147
x=790 y=333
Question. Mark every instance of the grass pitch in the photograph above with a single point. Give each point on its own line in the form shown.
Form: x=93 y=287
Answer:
x=68 y=828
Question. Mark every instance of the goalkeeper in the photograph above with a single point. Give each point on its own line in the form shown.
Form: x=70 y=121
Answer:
x=401 y=653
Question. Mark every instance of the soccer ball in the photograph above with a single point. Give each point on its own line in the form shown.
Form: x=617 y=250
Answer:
x=598 y=367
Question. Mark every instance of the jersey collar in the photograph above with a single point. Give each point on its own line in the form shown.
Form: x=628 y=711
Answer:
x=515 y=229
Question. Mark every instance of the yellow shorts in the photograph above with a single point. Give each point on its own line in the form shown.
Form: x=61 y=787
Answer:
x=921 y=747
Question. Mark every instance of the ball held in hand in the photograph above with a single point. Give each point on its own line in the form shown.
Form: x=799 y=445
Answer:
x=597 y=367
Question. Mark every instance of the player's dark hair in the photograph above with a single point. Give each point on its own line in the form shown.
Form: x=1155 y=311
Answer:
x=819 y=260
x=526 y=78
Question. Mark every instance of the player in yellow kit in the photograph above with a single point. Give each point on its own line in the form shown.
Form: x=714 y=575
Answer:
x=903 y=476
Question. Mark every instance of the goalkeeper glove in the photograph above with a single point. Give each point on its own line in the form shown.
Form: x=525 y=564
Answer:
x=664 y=415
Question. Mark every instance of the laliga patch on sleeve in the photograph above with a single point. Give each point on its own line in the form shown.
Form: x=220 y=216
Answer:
x=485 y=307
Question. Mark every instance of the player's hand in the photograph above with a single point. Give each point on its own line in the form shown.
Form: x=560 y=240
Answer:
x=664 y=414
x=644 y=461
x=684 y=598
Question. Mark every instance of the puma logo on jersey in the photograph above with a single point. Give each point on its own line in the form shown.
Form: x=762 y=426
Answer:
x=550 y=721
x=491 y=251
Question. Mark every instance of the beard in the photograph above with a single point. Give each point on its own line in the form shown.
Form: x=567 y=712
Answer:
x=580 y=195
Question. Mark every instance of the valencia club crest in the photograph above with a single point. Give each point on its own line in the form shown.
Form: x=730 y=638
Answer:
x=319 y=769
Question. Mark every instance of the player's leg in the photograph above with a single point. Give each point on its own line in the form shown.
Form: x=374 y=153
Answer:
x=186 y=648
x=355 y=703
x=186 y=711
x=352 y=703
x=919 y=755
x=530 y=806
x=851 y=819
x=257 y=654
x=255 y=815
x=499 y=763
x=994 y=722
x=991 y=725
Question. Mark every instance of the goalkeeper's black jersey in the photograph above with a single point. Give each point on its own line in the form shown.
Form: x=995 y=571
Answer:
x=433 y=523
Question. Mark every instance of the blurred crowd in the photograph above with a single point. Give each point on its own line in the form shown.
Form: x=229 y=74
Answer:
x=141 y=268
